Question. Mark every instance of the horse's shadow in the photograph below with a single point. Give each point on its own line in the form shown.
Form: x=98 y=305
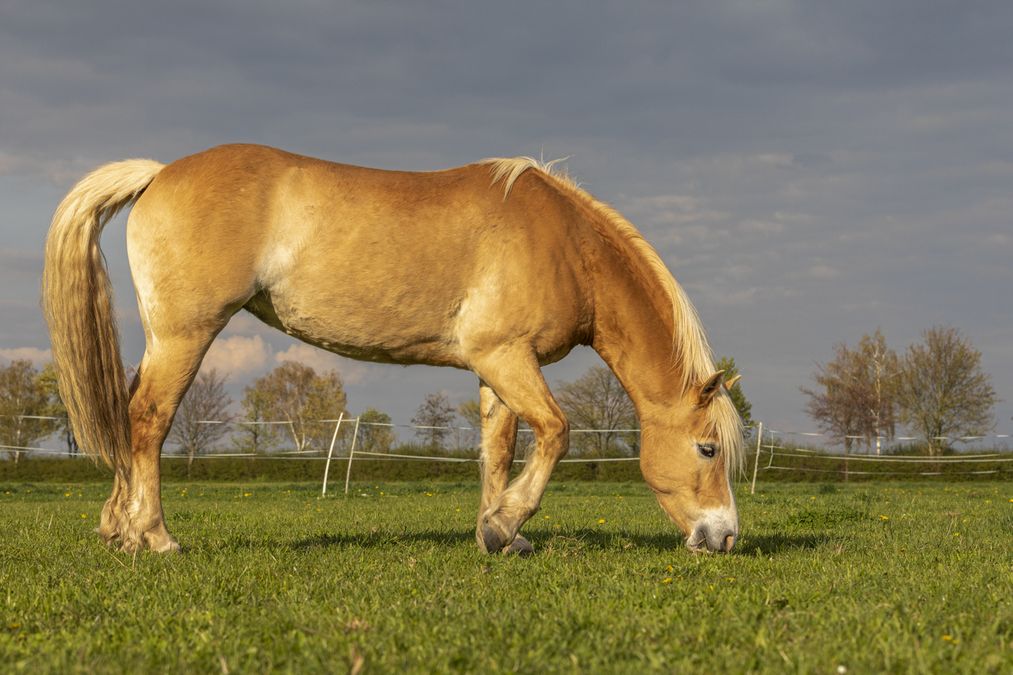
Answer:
x=585 y=538
x=767 y=544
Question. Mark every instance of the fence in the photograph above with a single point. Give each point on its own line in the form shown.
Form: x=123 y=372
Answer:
x=774 y=451
x=353 y=454
x=774 y=445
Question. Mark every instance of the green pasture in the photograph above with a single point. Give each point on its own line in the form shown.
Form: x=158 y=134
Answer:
x=826 y=578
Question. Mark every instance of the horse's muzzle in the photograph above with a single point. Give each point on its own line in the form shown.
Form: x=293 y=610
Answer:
x=715 y=535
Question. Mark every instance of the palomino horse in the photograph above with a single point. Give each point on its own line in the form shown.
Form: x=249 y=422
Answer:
x=498 y=267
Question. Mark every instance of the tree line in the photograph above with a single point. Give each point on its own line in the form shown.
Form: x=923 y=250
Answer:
x=936 y=388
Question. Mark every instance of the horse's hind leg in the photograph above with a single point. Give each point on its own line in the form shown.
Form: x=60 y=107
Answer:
x=166 y=372
x=114 y=517
x=499 y=438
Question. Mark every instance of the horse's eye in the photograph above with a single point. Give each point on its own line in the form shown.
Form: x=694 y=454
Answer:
x=706 y=449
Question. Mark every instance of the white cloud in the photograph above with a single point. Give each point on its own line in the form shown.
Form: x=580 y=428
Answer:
x=33 y=354
x=237 y=355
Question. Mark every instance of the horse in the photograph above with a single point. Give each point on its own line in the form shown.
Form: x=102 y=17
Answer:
x=498 y=267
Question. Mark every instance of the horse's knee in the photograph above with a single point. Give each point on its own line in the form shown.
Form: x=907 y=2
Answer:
x=554 y=434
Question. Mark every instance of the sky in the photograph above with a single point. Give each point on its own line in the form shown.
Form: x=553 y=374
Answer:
x=809 y=171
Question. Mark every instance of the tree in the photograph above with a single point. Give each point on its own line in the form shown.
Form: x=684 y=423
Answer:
x=471 y=413
x=48 y=381
x=256 y=432
x=943 y=391
x=435 y=414
x=295 y=393
x=856 y=397
x=880 y=374
x=205 y=401
x=375 y=432
x=21 y=397
x=597 y=401
x=742 y=404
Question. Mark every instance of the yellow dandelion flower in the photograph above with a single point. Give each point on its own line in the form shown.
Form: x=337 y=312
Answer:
x=666 y=580
x=882 y=517
x=601 y=521
x=247 y=494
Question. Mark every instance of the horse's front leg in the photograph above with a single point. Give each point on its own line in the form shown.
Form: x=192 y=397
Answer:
x=499 y=440
x=517 y=381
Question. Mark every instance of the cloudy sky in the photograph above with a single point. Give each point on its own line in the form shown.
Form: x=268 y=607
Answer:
x=810 y=171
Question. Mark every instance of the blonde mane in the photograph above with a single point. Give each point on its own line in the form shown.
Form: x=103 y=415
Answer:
x=693 y=354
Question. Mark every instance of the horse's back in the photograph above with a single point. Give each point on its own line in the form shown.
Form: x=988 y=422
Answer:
x=383 y=265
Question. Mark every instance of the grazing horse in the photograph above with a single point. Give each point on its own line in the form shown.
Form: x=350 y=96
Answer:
x=498 y=267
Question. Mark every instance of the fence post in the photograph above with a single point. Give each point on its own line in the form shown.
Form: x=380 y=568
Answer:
x=351 y=454
x=756 y=460
x=330 y=451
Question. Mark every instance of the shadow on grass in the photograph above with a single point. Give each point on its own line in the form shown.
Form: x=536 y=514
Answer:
x=583 y=538
x=384 y=538
x=561 y=541
x=780 y=543
x=586 y=539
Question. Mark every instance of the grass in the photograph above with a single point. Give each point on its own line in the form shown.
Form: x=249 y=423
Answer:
x=870 y=577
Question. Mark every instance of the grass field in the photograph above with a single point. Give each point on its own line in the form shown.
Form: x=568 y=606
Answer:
x=900 y=577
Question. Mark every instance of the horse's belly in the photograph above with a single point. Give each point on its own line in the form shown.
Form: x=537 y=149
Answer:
x=361 y=330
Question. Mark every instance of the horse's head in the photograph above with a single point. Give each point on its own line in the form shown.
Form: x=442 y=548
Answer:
x=687 y=457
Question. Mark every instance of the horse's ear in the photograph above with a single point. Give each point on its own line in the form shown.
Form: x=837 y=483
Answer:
x=710 y=388
x=730 y=382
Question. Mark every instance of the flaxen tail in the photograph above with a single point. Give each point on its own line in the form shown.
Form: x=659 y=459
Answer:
x=78 y=304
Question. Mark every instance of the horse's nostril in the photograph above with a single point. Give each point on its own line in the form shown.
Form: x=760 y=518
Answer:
x=729 y=542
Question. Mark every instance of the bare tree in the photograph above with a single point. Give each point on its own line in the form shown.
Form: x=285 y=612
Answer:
x=471 y=413
x=435 y=414
x=206 y=401
x=880 y=372
x=374 y=433
x=596 y=400
x=21 y=397
x=856 y=394
x=295 y=393
x=943 y=390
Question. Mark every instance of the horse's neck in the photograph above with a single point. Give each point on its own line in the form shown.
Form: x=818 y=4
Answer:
x=634 y=336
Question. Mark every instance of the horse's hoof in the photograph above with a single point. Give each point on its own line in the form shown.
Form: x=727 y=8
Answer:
x=169 y=546
x=519 y=546
x=492 y=541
